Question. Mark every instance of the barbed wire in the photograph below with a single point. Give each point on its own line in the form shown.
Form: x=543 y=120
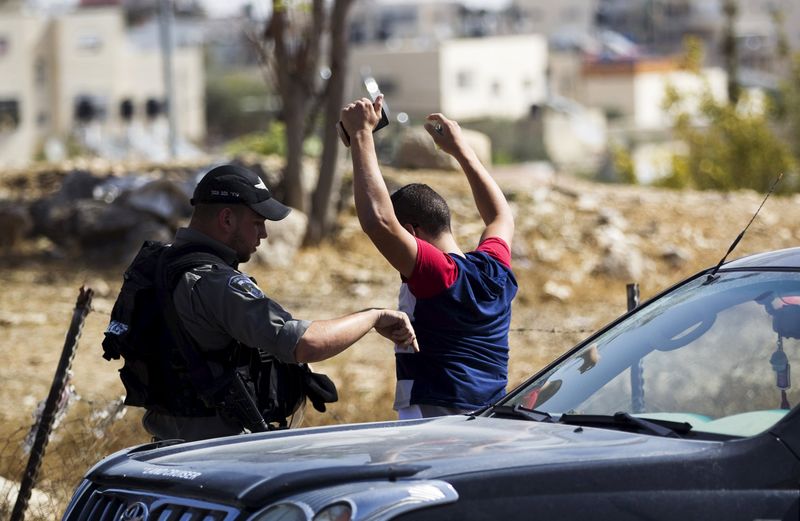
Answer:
x=548 y=330
x=91 y=430
x=551 y=330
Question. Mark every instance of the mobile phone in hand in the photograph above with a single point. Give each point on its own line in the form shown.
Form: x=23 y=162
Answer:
x=345 y=137
x=374 y=92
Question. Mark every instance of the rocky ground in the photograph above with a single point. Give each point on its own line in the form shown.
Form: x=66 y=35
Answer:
x=576 y=247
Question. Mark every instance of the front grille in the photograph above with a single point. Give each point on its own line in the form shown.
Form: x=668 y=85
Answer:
x=123 y=505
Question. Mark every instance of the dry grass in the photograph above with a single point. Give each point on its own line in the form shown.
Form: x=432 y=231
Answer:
x=348 y=274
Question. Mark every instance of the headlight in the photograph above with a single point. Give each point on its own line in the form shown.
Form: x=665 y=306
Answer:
x=335 y=512
x=282 y=512
x=359 y=501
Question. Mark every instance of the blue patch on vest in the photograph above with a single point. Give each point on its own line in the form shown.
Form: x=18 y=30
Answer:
x=242 y=284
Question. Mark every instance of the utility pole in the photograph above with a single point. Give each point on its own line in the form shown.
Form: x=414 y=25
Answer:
x=165 y=23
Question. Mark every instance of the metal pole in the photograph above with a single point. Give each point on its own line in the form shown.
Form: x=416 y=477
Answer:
x=82 y=308
x=166 y=22
x=637 y=371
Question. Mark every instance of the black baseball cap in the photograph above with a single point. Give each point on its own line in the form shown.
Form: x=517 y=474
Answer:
x=238 y=185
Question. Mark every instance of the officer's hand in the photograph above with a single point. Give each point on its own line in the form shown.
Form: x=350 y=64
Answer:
x=396 y=326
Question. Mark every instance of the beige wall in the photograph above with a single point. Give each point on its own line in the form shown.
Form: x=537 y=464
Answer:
x=21 y=34
x=409 y=77
x=49 y=63
x=143 y=78
x=613 y=93
x=637 y=93
x=88 y=46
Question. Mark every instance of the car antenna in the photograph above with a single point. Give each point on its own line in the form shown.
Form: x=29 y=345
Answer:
x=713 y=275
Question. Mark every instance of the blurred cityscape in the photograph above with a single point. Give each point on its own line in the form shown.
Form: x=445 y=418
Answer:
x=569 y=77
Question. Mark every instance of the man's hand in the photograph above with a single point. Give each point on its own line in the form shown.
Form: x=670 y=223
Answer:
x=446 y=133
x=361 y=114
x=396 y=326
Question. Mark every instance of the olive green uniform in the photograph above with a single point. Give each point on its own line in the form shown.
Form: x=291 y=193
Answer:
x=218 y=304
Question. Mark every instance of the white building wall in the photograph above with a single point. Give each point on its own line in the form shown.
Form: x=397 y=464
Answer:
x=409 y=78
x=650 y=89
x=499 y=77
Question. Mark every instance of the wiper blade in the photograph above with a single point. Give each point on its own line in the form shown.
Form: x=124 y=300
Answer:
x=665 y=428
x=518 y=411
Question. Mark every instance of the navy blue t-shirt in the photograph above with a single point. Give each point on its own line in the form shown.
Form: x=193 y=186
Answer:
x=461 y=312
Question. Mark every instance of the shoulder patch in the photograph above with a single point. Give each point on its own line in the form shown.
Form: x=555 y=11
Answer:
x=242 y=284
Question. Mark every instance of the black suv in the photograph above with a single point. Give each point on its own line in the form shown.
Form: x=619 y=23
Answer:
x=681 y=408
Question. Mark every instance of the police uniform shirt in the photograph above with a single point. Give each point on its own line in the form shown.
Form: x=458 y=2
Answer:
x=217 y=303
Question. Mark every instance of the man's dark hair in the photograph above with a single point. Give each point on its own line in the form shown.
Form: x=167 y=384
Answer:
x=419 y=205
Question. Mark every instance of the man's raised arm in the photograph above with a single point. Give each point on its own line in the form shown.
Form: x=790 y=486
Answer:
x=373 y=203
x=489 y=199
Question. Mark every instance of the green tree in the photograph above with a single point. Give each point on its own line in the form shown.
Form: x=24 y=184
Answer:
x=236 y=104
x=728 y=146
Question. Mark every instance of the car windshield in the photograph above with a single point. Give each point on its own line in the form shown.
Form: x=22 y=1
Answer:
x=716 y=355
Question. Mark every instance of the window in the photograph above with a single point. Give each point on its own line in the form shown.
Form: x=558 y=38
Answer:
x=126 y=109
x=90 y=42
x=40 y=71
x=9 y=115
x=90 y=108
x=527 y=85
x=153 y=108
x=465 y=79
x=496 y=88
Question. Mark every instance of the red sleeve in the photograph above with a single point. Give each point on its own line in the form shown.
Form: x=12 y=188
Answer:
x=497 y=248
x=434 y=271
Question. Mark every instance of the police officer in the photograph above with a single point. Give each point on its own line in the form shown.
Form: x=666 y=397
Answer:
x=217 y=304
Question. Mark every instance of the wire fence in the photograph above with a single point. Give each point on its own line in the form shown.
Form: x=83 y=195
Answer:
x=86 y=432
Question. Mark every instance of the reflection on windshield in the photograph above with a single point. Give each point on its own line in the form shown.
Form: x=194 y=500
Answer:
x=717 y=356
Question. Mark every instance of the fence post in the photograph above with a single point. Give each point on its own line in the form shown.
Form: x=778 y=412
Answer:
x=637 y=371
x=82 y=308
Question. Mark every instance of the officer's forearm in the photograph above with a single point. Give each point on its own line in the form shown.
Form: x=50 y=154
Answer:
x=326 y=338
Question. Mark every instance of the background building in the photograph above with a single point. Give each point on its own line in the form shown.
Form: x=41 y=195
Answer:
x=79 y=76
x=493 y=77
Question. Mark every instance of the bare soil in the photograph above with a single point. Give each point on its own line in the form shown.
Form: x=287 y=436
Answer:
x=563 y=228
x=554 y=214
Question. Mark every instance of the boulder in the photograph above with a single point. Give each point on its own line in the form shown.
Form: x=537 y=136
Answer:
x=39 y=503
x=416 y=149
x=285 y=238
x=15 y=223
x=163 y=199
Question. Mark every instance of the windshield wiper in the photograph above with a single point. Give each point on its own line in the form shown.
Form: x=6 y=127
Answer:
x=665 y=428
x=518 y=411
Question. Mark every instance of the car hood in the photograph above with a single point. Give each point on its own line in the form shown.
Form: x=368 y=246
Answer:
x=257 y=465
